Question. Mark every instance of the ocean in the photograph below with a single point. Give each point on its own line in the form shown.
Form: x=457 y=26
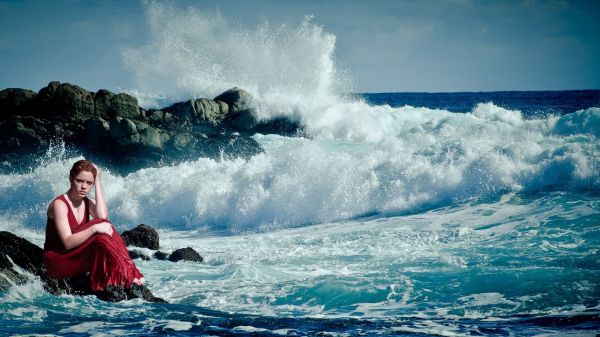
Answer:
x=396 y=214
x=484 y=221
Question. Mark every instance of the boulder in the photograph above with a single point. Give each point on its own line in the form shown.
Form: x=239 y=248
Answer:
x=242 y=115
x=185 y=254
x=109 y=105
x=65 y=100
x=15 y=101
x=210 y=112
x=142 y=236
x=200 y=111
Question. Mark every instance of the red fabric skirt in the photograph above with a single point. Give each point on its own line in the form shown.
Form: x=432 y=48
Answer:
x=103 y=256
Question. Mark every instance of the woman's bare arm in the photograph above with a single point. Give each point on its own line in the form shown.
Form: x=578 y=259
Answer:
x=58 y=211
x=98 y=207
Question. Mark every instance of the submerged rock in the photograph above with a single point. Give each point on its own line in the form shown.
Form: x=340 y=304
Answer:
x=29 y=258
x=134 y=254
x=185 y=254
x=160 y=255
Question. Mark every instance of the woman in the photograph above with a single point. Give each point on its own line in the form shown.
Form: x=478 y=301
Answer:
x=76 y=246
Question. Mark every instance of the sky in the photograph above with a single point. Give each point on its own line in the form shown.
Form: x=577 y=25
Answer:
x=385 y=46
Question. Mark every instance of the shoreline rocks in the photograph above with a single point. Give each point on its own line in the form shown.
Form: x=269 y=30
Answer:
x=16 y=251
x=113 y=130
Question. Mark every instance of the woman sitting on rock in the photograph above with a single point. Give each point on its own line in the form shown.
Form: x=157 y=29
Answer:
x=77 y=246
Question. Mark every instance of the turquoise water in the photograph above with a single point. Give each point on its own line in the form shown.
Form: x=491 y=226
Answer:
x=524 y=264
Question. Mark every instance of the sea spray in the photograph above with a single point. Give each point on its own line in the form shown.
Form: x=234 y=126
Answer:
x=193 y=53
x=425 y=159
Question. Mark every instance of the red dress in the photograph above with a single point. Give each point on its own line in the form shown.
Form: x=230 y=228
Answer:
x=104 y=256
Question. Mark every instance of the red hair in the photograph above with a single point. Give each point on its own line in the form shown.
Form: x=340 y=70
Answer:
x=82 y=165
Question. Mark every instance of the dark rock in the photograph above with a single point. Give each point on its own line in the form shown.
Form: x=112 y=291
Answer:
x=65 y=100
x=210 y=112
x=241 y=114
x=186 y=254
x=160 y=255
x=15 y=101
x=142 y=236
x=114 y=131
x=200 y=112
x=280 y=126
x=97 y=135
x=134 y=254
x=117 y=294
x=22 y=252
x=29 y=257
x=109 y=105
x=8 y=276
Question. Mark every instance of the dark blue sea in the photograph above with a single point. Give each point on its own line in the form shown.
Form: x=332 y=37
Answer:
x=403 y=214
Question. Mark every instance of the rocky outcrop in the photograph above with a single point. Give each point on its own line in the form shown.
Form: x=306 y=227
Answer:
x=16 y=251
x=113 y=130
x=142 y=236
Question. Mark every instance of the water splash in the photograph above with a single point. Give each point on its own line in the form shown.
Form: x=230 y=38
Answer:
x=194 y=53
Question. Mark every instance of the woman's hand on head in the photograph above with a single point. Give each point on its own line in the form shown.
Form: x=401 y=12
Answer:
x=103 y=228
x=97 y=171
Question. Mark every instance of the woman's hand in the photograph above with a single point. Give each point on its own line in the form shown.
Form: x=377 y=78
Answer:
x=97 y=171
x=103 y=228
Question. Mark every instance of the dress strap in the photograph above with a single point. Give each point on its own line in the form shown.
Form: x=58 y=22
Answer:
x=87 y=209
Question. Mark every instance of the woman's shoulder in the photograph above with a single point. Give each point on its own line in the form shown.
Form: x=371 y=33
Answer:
x=57 y=204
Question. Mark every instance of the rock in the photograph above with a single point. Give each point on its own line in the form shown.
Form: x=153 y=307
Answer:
x=97 y=134
x=186 y=254
x=22 y=252
x=280 y=126
x=201 y=111
x=210 y=112
x=117 y=294
x=160 y=255
x=142 y=236
x=29 y=257
x=65 y=100
x=150 y=138
x=124 y=132
x=241 y=114
x=15 y=101
x=109 y=105
x=114 y=131
x=134 y=254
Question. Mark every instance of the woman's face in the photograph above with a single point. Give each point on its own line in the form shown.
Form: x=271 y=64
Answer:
x=82 y=183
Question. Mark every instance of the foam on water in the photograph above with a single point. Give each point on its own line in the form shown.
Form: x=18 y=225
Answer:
x=426 y=158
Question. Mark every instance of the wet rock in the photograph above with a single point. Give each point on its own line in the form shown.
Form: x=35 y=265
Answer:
x=185 y=254
x=160 y=255
x=114 y=131
x=142 y=236
x=134 y=254
x=117 y=294
x=241 y=115
x=29 y=257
